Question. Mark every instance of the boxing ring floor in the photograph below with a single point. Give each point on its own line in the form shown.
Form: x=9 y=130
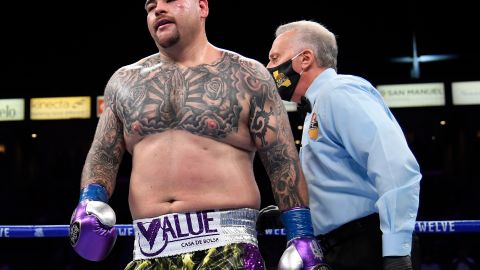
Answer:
x=25 y=246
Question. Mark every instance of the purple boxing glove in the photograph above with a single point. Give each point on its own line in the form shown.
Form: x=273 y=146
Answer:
x=92 y=231
x=303 y=250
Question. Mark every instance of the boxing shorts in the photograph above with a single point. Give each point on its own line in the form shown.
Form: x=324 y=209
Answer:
x=175 y=239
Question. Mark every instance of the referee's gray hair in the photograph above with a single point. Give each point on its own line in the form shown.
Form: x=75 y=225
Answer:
x=315 y=36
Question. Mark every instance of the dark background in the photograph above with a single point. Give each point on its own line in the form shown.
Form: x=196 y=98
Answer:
x=71 y=48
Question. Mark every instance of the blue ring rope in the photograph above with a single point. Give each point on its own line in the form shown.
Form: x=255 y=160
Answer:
x=42 y=231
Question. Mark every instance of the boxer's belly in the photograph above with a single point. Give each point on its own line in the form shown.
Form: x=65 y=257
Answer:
x=181 y=172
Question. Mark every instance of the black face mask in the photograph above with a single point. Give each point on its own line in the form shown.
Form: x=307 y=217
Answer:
x=285 y=78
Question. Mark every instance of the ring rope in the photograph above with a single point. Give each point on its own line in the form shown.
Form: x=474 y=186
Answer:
x=41 y=231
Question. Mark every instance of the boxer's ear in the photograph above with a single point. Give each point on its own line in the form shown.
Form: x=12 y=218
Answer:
x=204 y=10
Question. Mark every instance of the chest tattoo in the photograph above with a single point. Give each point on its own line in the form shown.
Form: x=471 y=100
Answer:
x=203 y=100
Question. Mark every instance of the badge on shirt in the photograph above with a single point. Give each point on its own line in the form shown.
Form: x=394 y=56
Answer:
x=313 y=128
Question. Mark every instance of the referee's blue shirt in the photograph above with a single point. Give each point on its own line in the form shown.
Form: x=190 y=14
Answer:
x=357 y=162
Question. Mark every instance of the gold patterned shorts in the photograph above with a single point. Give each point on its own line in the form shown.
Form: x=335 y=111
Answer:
x=232 y=256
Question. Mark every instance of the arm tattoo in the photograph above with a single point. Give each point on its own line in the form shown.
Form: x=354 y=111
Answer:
x=259 y=120
x=271 y=132
x=284 y=175
x=106 y=152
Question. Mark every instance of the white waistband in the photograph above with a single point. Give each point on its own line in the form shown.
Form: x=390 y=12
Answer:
x=178 y=233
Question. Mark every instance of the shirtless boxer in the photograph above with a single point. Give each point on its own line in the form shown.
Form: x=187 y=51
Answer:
x=192 y=116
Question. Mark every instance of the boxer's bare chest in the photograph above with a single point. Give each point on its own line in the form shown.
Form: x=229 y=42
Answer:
x=202 y=100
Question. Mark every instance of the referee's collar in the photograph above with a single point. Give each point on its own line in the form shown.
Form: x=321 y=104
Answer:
x=315 y=88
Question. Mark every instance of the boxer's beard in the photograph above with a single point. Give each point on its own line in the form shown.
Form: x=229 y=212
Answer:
x=170 y=41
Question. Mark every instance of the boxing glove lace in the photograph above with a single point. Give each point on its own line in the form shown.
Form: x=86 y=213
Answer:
x=303 y=250
x=92 y=232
